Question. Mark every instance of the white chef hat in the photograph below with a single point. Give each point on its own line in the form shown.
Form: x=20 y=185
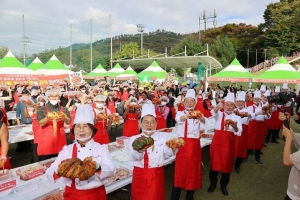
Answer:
x=148 y=109
x=52 y=91
x=99 y=98
x=277 y=89
x=132 y=98
x=84 y=114
x=164 y=98
x=190 y=94
x=257 y=94
x=184 y=89
x=267 y=93
x=229 y=97
x=263 y=88
x=241 y=96
x=285 y=86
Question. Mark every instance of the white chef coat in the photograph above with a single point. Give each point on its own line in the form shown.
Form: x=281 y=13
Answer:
x=258 y=110
x=194 y=126
x=156 y=156
x=244 y=120
x=141 y=102
x=218 y=117
x=100 y=155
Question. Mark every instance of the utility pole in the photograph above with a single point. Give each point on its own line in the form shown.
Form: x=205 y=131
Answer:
x=110 y=32
x=91 y=30
x=206 y=19
x=248 y=58
x=255 y=56
x=25 y=41
x=265 y=58
x=141 y=28
x=70 y=45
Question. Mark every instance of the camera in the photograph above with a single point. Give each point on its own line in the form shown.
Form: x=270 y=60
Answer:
x=281 y=99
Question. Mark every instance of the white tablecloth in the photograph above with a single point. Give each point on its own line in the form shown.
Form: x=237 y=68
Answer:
x=11 y=115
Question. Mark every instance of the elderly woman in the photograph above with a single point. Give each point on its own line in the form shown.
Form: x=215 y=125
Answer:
x=144 y=99
x=148 y=173
x=100 y=167
x=52 y=131
x=162 y=112
x=37 y=135
x=102 y=122
x=131 y=115
x=4 y=160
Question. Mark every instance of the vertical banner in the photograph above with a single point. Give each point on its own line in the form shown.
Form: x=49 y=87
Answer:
x=200 y=73
x=76 y=78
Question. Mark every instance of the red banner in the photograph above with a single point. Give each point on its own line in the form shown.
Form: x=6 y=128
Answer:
x=13 y=79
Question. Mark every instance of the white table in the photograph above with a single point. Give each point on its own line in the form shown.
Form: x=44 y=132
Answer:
x=11 y=115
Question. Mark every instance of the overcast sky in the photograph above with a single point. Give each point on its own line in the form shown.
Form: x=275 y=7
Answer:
x=172 y=15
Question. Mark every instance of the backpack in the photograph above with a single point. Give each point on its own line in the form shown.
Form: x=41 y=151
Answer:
x=120 y=108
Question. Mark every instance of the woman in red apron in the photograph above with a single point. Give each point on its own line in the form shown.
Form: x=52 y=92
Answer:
x=125 y=94
x=4 y=160
x=84 y=146
x=131 y=117
x=102 y=122
x=110 y=102
x=199 y=105
x=207 y=108
x=162 y=112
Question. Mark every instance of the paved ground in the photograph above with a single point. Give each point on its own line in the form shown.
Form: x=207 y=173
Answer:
x=266 y=182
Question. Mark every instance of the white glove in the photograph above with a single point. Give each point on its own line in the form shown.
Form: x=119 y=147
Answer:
x=258 y=113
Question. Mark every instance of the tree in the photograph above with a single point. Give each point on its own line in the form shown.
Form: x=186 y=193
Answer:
x=222 y=49
x=3 y=51
x=192 y=47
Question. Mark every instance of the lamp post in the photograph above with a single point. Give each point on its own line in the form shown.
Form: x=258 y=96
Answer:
x=140 y=28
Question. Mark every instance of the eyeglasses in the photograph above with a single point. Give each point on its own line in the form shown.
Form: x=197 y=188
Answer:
x=84 y=127
x=149 y=123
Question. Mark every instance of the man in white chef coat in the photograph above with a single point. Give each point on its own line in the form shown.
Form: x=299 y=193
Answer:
x=188 y=170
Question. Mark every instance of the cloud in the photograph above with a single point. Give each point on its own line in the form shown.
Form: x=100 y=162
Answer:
x=47 y=23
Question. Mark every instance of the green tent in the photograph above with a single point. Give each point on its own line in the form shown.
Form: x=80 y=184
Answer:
x=234 y=72
x=98 y=71
x=154 y=70
x=127 y=74
x=11 y=65
x=53 y=67
x=115 y=71
x=281 y=72
x=36 y=64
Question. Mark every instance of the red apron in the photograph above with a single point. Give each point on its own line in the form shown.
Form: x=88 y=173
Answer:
x=181 y=106
x=35 y=129
x=102 y=135
x=222 y=150
x=255 y=136
x=71 y=193
x=160 y=120
x=148 y=183
x=240 y=143
x=199 y=105
x=206 y=112
x=111 y=106
x=273 y=125
x=131 y=125
x=72 y=114
x=188 y=170
x=125 y=95
x=50 y=144
x=249 y=103
x=173 y=111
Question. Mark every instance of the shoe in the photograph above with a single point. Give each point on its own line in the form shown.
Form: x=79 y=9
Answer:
x=275 y=141
x=251 y=152
x=238 y=170
x=211 y=188
x=259 y=161
x=224 y=191
x=245 y=160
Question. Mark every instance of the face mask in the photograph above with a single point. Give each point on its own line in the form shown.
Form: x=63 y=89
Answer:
x=200 y=92
x=163 y=103
x=53 y=102
x=189 y=109
x=32 y=93
x=89 y=102
x=133 y=103
x=221 y=95
x=110 y=97
x=149 y=133
x=62 y=89
x=83 y=139
x=99 y=105
x=41 y=103
x=77 y=104
x=83 y=91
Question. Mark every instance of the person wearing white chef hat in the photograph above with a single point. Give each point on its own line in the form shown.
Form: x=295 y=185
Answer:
x=223 y=141
x=256 y=125
x=91 y=187
x=148 y=173
x=240 y=146
x=188 y=170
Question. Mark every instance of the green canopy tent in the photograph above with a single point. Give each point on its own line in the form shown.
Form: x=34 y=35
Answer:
x=129 y=74
x=154 y=70
x=53 y=67
x=115 y=71
x=36 y=64
x=281 y=72
x=98 y=73
x=234 y=72
x=11 y=65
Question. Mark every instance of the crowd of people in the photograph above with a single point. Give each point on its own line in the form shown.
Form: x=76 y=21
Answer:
x=245 y=122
